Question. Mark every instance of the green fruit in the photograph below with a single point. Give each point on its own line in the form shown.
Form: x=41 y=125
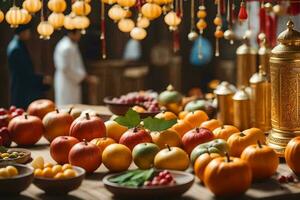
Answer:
x=169 y=96
x=143 y=155
x=218 y=146
x=195 y=105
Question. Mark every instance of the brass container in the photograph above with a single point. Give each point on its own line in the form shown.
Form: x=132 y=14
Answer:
x=260 y=100
x=246 y=62
x=224 y=93
x=285 y=89
x=264 y=57
x=241 y=109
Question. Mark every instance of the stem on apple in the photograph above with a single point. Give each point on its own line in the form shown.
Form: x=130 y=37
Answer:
x=85 y=142
x=242 y=134
x=222 y=126
x=168 y=147
x=259 y=144
x=26 y=116
x=227 y=157
x=70 y=110
x=197 y=129
x=135 y=129
x=87 y=116
x=57 y=111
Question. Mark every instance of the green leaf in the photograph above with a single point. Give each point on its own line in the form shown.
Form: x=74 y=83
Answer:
x=3 y=149
x=155 y=124
x=131 y=119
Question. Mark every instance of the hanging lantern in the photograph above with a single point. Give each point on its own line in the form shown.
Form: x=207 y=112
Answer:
x=45 y=29
x=32 y=6
x=151 y=10
x=57 y=6
x=81 y=8
x=142 y=22
x=172 y=20
x=26 y=17
x=138 y=33
x=126 y=25
x=56 y=20
x=1 y=16
x=243 y=15
x=116 y=13
x=81 y=22
x=279 y=10
x=160 y=2
x=126 y=3
x=14 y=17
x=109 y=1
x=201 y=25
x=69 y=21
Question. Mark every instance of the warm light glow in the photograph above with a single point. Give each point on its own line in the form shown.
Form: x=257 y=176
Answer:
x=81 y=22
x=172 y=20
x=1 y=16
x=109 y=1
x=138 y=33
x=81 y=8
x=32 y=6
x=26 y=17
x=143 y=22
x=151 y=10
x=57 y=6
x=116 y=13
x=45 y=29
x=56 y=20
x=160 y=2
x=126 y=25
x=69 y=21
x=14 y=16
x=126 y=3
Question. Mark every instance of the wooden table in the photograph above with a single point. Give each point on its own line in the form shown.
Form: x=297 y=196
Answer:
x=92 y=187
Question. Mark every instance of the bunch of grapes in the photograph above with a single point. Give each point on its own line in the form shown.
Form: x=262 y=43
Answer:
x=163 y=178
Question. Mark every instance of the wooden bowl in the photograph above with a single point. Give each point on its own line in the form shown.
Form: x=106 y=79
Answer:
x=16 y=184
x=183 y=180
x=60 y=186
x=121 y=108
x=22 y=160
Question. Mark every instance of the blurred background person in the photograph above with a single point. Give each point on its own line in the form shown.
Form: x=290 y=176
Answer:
x=25 y=85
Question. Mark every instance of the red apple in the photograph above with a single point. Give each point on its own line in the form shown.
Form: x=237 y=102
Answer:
x=86 y=155
x=87 y=128
x=4 y=120
x=40 y=107
x=3 y=111
x=135 y=136
x=26 y=129
x=57 y=124
x=12 y=108
x=17 y=112
x=4 y=134
x=195 y=137
x=60 y=148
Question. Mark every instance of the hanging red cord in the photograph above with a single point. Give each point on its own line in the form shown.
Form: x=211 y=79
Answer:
x=243 y=15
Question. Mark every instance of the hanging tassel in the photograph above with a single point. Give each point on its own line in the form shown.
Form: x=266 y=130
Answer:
x=102 y=34
x=243 y=15
x=176 y=44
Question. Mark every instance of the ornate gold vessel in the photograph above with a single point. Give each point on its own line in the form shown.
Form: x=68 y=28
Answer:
x=241 y=109
x=260 y=101
x=246 y=62
x=264 y=56
x=285 y=89
x=224 y=93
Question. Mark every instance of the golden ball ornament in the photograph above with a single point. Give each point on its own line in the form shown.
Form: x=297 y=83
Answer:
x=26 y=17
x=56 y=20
x=109 y=1
x=14 y=17
x=69 y=21
x=45 y=29
x=1 y=16
x=32 y=6
x=81 y=8
x=160 y=2
x=172 y=20
x=116 y=13
x=201 y=24
x=268 y=6
x=126 y=3
x=138 y=33
x=229 y=35
x=82 y=23
x=279 y=10
x=193 y=35
x=151 y=10
x=142 y=22
x=57 y=6
x=125 y=25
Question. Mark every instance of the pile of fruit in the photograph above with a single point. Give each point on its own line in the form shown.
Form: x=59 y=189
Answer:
x=8 y=172
x=6 y=155
x=162 y=179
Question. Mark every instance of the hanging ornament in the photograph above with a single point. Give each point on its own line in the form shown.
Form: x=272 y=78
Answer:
x=81 y=23
x=102 y=30
x=201 y=14
x=268 y=6
x=126 y=3
x=279 y=9
x=1 y=16
x=243 y=15
x=192 y=35
x=26 y=17
x=81 y=8
x=56 y=20
x=116 y=13
x=45 y=29
x=14 y=16
x=151 y=10
x=138 y=33
x=125 y=25
x=32 y=6
x=172 y=20
x=201 y=25
x=69 y=21
x=142 y=22
x=218 y=33
x=160 y=2
x=229 y=33
x=57 y=6
x=110 y=2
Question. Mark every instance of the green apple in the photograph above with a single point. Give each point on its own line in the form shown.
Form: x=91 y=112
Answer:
x=143 y=155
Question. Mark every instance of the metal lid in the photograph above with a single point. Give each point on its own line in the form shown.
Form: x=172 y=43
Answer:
x=263 y=49
x=245 y=48
x=290 y=36
x=259 y=76
x=224 y=88
x=241 y=94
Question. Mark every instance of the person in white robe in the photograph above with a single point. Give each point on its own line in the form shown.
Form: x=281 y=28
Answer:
x=69 y=70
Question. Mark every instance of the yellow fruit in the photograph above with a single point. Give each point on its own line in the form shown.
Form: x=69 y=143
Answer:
x=166 y=115
x=48 y=165
x=4 y=173
x=59 y=175
x=56 y=169
x=38 y=172
x=117 y=157
x=69 y=173
x=66 y=166
x=169 y=137
x=47 y=172
x=38 y=163
x=12 y=171
x=114 y=130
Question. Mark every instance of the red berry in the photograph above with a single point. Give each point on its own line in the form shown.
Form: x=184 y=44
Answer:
x=282 y=179
x=163 y=182
x=169 y=177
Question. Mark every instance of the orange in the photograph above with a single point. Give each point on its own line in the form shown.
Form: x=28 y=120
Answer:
x=138 y=109
x=48 y=165
x=114 y=130
x=224 y=132
x=67 y=166
x=196 y=118
x=182 y=114
x=69 y=173
x=47 y=172
x=102 y=143
x=116 y=157
x=166 y=115
x=38 y=172
x=56 y=169
x=201 y=163
x=181 y=127
x=168 y=137
x=211 y=124
x=59 y=175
